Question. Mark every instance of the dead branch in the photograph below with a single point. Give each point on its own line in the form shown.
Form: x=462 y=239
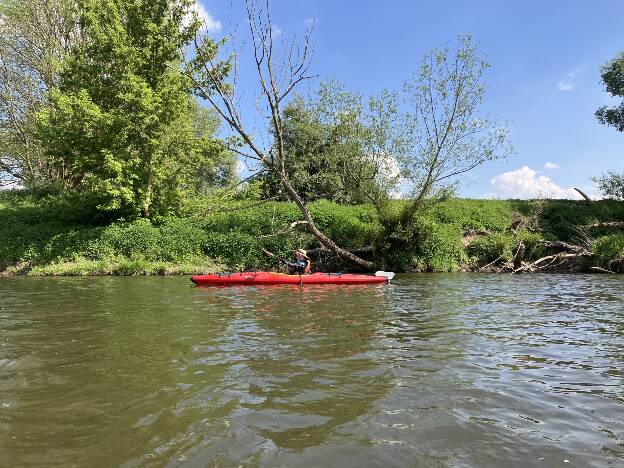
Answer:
x=607 y=224
x=483 y=268
x=361 y=250
x=563 y=246
x=476 y=232
x=602 y=270
x=275 y=83
x=583 y=194
x=540 y=264
x=517 y=259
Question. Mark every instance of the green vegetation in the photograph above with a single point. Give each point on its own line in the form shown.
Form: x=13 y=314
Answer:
x=121 y=121
x=47 y=235
x=611 y=184
x=125 y=171
x=93 y=103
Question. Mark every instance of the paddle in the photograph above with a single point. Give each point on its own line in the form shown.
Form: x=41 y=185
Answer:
x=386 y=274
x=271 y=254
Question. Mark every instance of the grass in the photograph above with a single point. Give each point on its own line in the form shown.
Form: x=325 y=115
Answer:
x=59 y=235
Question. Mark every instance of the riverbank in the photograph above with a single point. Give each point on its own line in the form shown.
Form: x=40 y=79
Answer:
x=57 y=236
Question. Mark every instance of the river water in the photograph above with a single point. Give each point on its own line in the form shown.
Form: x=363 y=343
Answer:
x=432 y=370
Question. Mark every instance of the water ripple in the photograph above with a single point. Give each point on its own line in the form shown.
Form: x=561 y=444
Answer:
x=461 y=370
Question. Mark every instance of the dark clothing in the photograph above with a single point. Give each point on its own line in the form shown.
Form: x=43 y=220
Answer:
x=298 y=267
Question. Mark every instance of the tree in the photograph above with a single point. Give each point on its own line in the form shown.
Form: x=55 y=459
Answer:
x=613 y=78
x=35 y=36
x=611 y=184
x=278 y=73
x=330 y=146
x=122 y=123
x=445 y=134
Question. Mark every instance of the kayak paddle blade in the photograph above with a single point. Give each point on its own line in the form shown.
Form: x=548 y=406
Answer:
x=386 y=274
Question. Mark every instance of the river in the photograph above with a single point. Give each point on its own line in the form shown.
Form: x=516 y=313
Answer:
x=431 y=370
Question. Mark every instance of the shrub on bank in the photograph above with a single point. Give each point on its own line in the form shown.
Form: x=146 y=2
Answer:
x=494 y=246
x=44 y=235
x=609 y=252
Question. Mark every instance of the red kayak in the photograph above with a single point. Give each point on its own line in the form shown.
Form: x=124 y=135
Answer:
x=266 y=277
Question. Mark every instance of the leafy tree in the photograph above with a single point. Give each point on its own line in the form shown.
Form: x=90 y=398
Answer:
x=332 y=145
x=611 y=184
x=613 y=78
x=445 y=133
x=122 y=124
x=35 y=36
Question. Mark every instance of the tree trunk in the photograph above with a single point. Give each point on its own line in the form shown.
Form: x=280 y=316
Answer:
x=147 y=202
x=583 y=194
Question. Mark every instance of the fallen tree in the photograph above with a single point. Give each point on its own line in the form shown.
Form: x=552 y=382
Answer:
x=279 y=71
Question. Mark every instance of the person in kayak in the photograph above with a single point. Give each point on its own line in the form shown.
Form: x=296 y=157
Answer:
x=300 y=264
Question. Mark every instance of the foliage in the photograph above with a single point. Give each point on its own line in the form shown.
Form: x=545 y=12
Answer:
x=122 y=124
x=491 y=247
x=439 y=248
x=124 y=267
x=609 y=252
x=613 y=79
x=47 y=234
x=35 y=36
x=569 y=220
x=611 y=185
x=445 y=132
x=334 y=146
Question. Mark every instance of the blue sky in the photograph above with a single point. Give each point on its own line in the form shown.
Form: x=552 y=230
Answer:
x=544 y=79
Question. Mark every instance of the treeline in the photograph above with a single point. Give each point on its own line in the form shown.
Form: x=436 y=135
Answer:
x=131 y=108
x=93 y=102
x=49 y=237
x=128 y=109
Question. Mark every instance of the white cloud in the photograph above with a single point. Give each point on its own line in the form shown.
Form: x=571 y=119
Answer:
x=210 y=24
x=389 y=174
x=309 y=21
x=525 y=183
x=566 y=86
x=570 y=82
x=549 y=166
x=275 y=30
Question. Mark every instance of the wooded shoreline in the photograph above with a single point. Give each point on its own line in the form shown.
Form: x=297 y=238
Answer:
x=51 y=235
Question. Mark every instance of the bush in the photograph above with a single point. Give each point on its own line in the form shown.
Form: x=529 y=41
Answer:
x=52 y=234
x=609 y=252
x=425 y=245
x=488 y=248
x=440 y=248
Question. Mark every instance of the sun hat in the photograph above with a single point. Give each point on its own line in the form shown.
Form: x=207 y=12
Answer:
x=302 y=252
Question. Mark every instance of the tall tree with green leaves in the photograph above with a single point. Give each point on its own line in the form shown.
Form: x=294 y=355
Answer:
x=121 y=122
x=613 y=79
x=446 y=133
x=611 y=184
x=330 y=146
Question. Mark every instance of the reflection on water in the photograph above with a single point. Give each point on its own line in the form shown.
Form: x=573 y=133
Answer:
x=432 y=370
